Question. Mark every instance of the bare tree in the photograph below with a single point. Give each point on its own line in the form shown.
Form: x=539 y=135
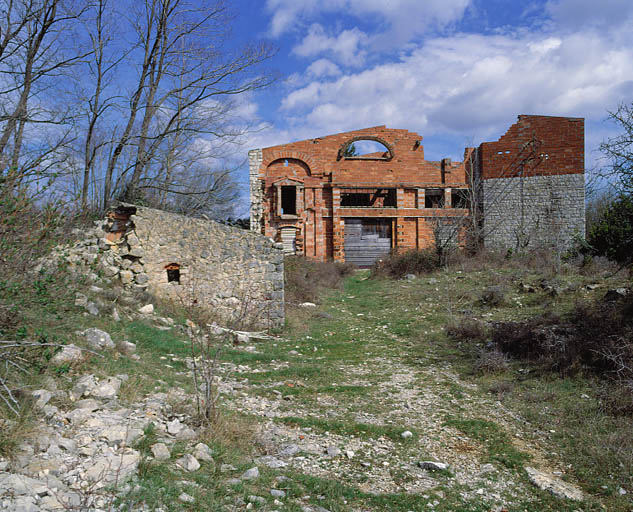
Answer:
x=33 y=54
x=183 y=90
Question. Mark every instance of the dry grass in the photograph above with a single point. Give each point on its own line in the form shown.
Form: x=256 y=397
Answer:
x=307 y=280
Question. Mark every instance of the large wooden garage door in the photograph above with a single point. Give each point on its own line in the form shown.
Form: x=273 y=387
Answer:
x=367 y=240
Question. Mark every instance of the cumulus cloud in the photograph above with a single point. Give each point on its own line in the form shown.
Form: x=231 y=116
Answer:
x=577 y=14
x=345 y=47
x=401 y=18
x=322 y=68
x=471 y=84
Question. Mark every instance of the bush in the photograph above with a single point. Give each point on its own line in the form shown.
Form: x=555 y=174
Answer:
x=612 y=234
x=493 y=296
x=306 y=280
x=490 y=361
x=399 y=264
x=467 y=329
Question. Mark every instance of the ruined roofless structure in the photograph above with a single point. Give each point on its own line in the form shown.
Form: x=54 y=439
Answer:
x=323 y=202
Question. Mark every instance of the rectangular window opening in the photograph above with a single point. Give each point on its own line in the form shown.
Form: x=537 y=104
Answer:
x=368 y=198
x=289 y=200
x=434 y=198
x=460 y=198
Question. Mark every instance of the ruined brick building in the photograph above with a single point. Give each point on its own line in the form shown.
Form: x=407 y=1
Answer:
x=324 y=201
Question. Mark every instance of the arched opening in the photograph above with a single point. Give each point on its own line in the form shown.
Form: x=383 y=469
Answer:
x=368 y=148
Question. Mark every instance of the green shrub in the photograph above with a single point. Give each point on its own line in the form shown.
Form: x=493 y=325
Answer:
x=612 y=234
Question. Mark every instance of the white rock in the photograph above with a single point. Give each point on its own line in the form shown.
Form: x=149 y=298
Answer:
x=126 y=347
x=186 y=498
x=433 y=466
x=113 y=468
x=174 y=427
x=349 y=454
x=148 y=309
x=202 y=452
x=554 y=485
x=85 y=385
x=98 y=339
x=277 y=493
x=406 y=434
x=250 y=474
x=160 y=451
x=308 y=305
x=107 y=389
x=69 y=354
x=42 y=396
x=271 y=462
x=188 y=462
x=333 y=451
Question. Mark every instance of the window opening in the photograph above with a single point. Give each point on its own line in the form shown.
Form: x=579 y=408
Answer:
x=173 y=273
x=369 y=198
x=434 y=198
x=460 y=198
x=370 y=148
x=289 y=200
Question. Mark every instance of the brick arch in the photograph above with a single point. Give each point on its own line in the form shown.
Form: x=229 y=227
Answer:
x=290 y=155
x=351 y=141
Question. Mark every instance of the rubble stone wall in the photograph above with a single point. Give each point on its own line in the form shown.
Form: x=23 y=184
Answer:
x=237 y=274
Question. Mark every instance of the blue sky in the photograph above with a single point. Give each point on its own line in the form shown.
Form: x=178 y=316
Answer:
x=456 y=71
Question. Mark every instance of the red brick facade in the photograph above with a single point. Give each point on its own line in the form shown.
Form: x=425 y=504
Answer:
x=311 y=187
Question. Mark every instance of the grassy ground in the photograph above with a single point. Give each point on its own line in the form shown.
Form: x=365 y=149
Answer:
x=371 y=361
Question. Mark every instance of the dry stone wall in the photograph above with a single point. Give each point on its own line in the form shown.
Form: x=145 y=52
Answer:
x=236 y=273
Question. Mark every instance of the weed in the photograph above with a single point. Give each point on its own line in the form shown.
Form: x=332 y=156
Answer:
x=399 y=264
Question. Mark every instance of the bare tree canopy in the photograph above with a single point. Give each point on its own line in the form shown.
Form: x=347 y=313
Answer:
x=619 y=150
x=130 y=100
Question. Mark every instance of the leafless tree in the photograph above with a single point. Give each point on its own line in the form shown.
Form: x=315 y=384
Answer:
x=34 y=53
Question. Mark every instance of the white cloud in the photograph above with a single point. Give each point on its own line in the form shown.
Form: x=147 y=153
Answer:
x=323 y=67
x=473 y=85
x=402 y=18
x=345 y=47
x=577 y=14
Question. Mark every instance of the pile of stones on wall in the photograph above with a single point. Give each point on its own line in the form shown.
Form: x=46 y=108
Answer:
x=237 y=275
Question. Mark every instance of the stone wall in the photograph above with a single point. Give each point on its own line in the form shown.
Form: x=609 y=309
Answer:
x=255 y=158
x=533 y=211
x=235 y=273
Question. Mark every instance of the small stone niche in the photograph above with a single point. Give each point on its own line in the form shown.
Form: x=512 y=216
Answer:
x=173 y=273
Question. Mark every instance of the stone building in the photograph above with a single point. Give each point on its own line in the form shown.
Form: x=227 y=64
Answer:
x=322 y=200
x=234 y=273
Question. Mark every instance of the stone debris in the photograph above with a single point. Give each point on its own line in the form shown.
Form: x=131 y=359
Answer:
x=433 y=466
x=160 y=451
x=202 y=452
x=555 y=485
x=406 y=434
x=250 y=474
x=188 y=462
x=69 y=354
x=148 y=309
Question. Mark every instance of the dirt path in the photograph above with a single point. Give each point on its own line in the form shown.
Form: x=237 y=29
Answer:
x=360 y=399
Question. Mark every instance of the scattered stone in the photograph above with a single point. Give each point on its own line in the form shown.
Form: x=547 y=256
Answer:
x=113 y=468
x=98 y=339
x=107 y=389
x=433 y=466
x=313 y=508
x=233 y=481
x=115 y=315
x=486 y=469
x=81 y=300
x=148 y=309
x=242 y=338
x=406 y=434
x=188 y=462
x=277 y=493
x=307 y=305
x=333 y=451
x=225 y=468
x=250 y=474
x=69 y=354
x=85 y=385
x=174 y=427
x=349 y=454
x=622 y=491
x=257 y=499
x=410 y=277
x=433 y=281
x=289 y=450
x=616 y=294
x=126 y=347
x=556 y=486
x=202 y=452
x=92 y=308
x=271 y=462
x=160 y=451
x=186 y=498
x=186 y=434
x=42 y=396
